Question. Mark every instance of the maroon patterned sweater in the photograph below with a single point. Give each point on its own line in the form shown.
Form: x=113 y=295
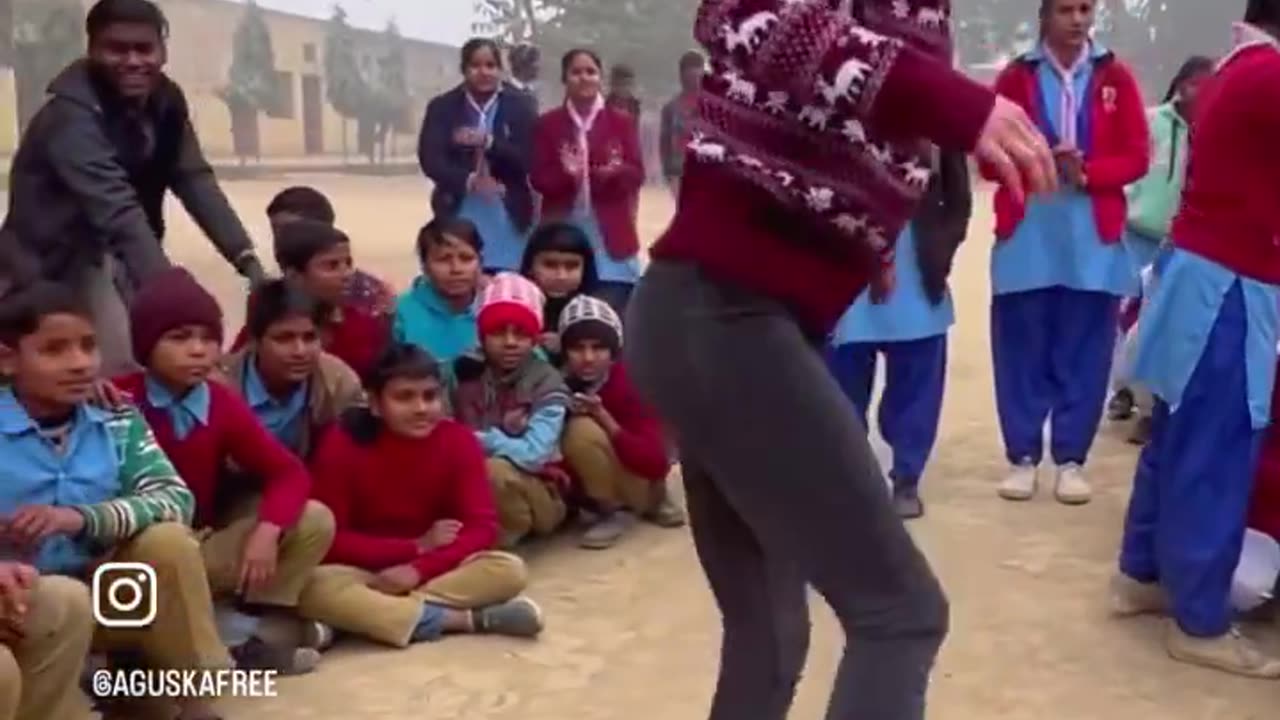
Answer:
x=812 y=144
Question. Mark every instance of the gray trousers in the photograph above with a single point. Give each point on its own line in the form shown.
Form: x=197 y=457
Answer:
x=99 y=287
x=783 y=492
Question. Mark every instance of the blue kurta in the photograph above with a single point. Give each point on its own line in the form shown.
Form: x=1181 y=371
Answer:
x=1181 y=313
x=503 y=242
x=907 y=314
x=608 y=268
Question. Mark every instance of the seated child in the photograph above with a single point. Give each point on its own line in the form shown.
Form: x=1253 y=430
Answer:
x=364 y=291
x=46 y=625
x=80 y=484
x=263 y=551
x=560 y=261
x=613 y=441
x=516 y=403
x=295 y=388
x=412 y=559
x=438 y=312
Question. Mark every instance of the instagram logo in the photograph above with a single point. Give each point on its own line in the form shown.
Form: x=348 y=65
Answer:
x=124 y=595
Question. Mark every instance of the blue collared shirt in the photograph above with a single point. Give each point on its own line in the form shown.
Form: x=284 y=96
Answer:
x=186 y=412
x=34 y=472
x=283 y=418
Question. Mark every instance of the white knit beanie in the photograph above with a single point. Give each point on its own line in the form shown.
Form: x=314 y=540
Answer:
x=585 y=313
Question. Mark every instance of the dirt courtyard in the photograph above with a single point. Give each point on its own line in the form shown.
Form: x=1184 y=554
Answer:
x=633 y=635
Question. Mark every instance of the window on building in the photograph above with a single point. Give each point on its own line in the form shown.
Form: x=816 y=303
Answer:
x=309 y=52
x=282 y=97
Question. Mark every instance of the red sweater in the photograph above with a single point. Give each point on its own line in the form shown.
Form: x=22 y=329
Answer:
x=358 y=340
x=1118 y=150
x=640 y=445
x=615 y=199
x=798 y=195
x=1231 y=202
x=386 y=495
x=232 y=433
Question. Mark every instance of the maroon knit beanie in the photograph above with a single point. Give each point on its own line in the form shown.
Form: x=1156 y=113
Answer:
x=170 y=300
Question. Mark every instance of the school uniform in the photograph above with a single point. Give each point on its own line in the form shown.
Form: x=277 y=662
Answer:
x=426 y=319
x=1207 y=350
x=357 y=337
x=1059 y=268
x=604 y=207
x=508 y=121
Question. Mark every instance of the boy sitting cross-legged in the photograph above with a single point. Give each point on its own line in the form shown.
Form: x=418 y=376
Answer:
x=516 y=403
x=80 y=484
x=412 y=559
x=613 y=441
x=262 y=549
x=294 y=387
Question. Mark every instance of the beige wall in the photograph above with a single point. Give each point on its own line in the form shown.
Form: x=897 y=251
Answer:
x=8 y=115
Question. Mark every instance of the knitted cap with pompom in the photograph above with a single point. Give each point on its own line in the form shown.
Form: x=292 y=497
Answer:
x=510 y=300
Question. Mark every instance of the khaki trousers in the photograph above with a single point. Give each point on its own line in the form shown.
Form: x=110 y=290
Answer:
x=302 y=547
x=340 y=596
x=526 y=504
x=183 y=635
x=40 y=675
x=590 y=453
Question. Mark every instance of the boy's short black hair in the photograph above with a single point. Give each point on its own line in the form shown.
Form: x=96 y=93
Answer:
x=297 y=243
x=1263 y=12
x=105 y=13
x=306 y=202
x=277 y=300
x=400 y=361
x=458 y=228
x=22 y=311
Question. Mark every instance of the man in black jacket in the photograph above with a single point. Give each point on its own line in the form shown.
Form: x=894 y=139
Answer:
x=88 y=182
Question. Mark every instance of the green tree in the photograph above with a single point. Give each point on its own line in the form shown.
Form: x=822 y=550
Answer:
x=345 y=86
x=511 y=21
x=389 y=97
x=251 y=80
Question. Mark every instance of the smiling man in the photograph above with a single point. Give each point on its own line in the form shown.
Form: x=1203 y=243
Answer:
x=89 y=179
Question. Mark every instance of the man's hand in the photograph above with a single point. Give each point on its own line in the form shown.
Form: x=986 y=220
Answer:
x=16 y=582
x=33 y=523
x=258 y=559
x=398 y=580
x=109 y=397
x=1071 y=163
x=1012 y=145
x=441 y=534
x=250 y=268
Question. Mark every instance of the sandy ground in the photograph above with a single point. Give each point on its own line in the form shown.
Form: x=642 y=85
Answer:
x=633 y=633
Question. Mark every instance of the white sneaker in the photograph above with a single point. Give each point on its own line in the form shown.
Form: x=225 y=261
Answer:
x=1231 y=653
x=1072 y=487
x=1130 y=598
x=1020 y=484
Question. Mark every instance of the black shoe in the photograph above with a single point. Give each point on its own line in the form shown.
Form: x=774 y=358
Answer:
x=258 y=655
x=1121 y=405
x=907 y=503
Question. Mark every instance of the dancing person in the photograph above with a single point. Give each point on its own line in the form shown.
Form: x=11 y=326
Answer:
x=789 y=206
x=909 y=329
x=89 y=178
x=1207 y=351
x=1152 y=203
x=1059 y=268
x=587 y=167
x=677 y=115
x=476 y=147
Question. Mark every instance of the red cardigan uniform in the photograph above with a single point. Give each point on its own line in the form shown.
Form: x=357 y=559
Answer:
x=232 y=433
x=386 y=495
x=1231 y=202
x=1119 y=150
x=640 y=445
x=615 y=198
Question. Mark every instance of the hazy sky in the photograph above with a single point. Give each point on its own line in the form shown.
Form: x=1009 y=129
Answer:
x=446 y=21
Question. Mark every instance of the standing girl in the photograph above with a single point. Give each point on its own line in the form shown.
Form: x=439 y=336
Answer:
x=1152 y=202
x=475 y=146
x=587 y=167
x=1207 y=350
x=1058 y=270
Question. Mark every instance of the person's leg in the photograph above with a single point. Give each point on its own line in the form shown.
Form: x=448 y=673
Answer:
x=10 y=684
x=340 y=596
x=98 y=286
x=1021 y=339
x=618 y=495
x=1136 y=590
x=514 y=514
x=915 y=375
x=853 y=365
x=732 y=373
x=52 y=652
x=482 y=595
x=1205 y=483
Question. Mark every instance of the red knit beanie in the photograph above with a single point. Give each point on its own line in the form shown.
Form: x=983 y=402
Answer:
x=510 y=299
x=170 y=300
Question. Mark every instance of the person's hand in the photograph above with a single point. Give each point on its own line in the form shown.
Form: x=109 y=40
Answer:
x=1014 y=147
x=572 y=160
x=488 y=187
x=16 y=582
x=108 y=396
x=250 y=268
x=259 y=556
x=585 y=404
x=441 y=534
x=550 y=341
x=33 y=523
x=1071 y=162
x=470 y=137
x=515 y=421
x=398 y=580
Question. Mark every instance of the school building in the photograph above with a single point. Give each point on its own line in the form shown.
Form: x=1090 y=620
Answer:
x=301 y=122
